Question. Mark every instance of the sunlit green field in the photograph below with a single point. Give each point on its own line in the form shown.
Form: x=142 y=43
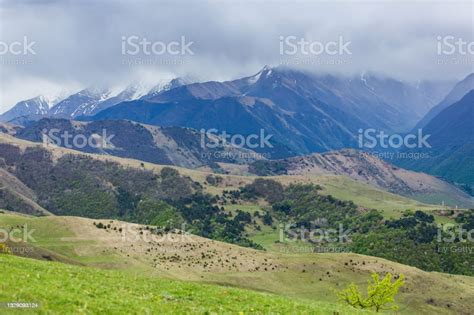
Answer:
x=65 y=289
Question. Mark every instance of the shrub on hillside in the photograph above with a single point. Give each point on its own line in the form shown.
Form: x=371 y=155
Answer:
x=380 y=293
x=269 y=189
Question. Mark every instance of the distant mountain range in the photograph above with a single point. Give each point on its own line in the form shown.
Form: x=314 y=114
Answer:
x=381 y=102
x=303 y=113
x=86 y=102
x=367 y=97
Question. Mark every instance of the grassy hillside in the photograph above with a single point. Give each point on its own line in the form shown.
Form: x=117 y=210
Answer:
x=362 y=194
x=289 y=272
x=65 y=181
x=65 y=289
x=366 y=168
x=340 y=187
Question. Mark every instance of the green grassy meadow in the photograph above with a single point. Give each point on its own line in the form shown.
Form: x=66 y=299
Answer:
x=64 y=289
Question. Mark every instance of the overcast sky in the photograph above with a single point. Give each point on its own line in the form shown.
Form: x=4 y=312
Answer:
x=80 y=43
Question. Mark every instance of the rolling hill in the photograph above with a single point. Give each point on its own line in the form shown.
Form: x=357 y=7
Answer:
x=115 y=291
x=205 y=261
x=308 y=278
x=108 y=243
x=183 y=147
x=337 y=183
x=67 y=182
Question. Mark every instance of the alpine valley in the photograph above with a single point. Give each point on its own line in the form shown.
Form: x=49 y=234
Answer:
x=199 y=197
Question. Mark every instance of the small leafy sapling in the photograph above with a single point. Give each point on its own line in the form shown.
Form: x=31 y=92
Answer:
x=380 y=293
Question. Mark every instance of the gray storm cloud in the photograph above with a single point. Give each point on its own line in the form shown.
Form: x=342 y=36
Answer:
x=80 y=43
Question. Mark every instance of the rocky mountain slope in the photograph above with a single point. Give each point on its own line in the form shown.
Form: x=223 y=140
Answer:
x=161 y=145
x=303 y=112
x=451 y=154
x=456 y=94
x=28 y=110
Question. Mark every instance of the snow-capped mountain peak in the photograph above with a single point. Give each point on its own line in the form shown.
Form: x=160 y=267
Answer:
x=30 y=109
x=266 y=71
x=81 y=103
x=166 y=85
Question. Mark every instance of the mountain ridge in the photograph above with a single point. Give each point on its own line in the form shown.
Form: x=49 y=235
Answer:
x=160 y=145
x=364 y=167
x=455 y=95
x=452 y=144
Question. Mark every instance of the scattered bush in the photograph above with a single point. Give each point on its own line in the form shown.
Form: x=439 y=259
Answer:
x=214 y=180
x=100 y=225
